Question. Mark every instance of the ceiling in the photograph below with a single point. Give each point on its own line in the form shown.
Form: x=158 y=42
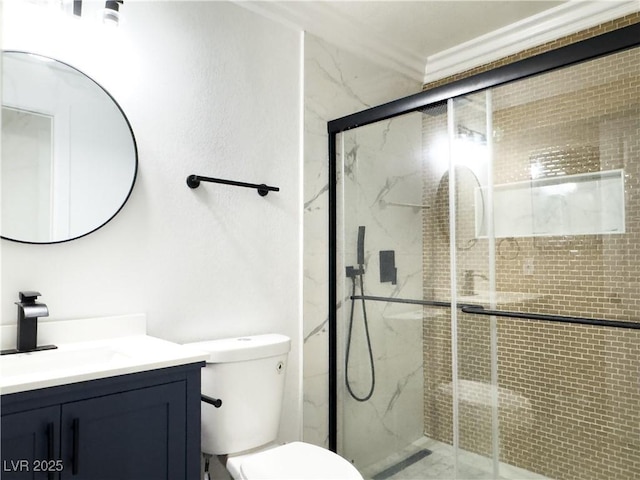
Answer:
x=401 y=34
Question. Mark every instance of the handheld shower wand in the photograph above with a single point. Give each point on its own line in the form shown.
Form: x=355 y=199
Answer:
x=352 y=273
x=360 y=250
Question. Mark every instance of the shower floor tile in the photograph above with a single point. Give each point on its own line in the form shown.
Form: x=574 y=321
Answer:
x=439 y=465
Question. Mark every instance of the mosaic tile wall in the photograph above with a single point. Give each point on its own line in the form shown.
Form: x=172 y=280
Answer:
x=568 y=394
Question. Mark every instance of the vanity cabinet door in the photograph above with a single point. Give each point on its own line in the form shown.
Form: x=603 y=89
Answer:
x=134 y=435
x=30 y=444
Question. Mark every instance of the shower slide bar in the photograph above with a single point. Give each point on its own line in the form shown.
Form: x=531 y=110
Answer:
x=479 y=310
x=193 y=181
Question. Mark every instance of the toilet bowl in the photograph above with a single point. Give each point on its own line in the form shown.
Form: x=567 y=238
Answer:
x=292 y=461
x=245 y=376
x=475 y=410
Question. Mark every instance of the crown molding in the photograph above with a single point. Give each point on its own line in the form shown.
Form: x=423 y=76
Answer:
x=350 y=34
x=565 y=19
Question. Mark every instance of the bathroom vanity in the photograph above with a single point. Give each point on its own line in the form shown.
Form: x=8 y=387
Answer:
x=137 y=426
x=127 y=408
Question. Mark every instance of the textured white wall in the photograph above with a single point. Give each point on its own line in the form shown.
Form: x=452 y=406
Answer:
x=212 y=89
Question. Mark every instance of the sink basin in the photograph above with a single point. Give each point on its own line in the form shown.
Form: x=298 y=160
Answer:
x=59 y=360
x=89 y=360
x=482 y=297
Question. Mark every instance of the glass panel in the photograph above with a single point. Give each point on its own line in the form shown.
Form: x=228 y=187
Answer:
x=439 y=404
x=570 y=409
x=475 y=369
x=523 y=199
x=382 y=418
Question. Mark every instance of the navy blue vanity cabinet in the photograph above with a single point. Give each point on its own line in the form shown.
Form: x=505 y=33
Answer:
x=131 y=435
x=30 y=444
x=141 y=426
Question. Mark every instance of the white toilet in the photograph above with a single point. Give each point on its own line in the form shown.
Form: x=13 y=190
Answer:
x=247 y=375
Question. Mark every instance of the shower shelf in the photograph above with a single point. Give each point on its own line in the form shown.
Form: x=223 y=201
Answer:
x=412 y=205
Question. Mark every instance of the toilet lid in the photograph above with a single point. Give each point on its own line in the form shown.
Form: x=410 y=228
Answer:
x=298 y=461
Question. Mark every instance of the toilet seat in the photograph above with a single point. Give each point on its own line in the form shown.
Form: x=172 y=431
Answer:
x=292 y=461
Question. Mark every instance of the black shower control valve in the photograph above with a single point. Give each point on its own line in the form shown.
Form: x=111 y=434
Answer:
x=388 y=270
x=353 y=272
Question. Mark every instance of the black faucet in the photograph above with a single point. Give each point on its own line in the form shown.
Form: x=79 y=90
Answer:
x=468 y=287
x=28 y=313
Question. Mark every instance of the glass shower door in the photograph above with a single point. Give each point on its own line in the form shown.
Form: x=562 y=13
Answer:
x=473 y=390
x=381 y=361
x=488 y=259
x=565 y=174
x=412 y=193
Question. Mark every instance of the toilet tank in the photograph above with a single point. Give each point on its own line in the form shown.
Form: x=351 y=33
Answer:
x=247 y=374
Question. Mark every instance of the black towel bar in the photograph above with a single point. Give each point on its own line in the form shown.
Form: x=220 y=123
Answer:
x=216 y=402
x=193 y=181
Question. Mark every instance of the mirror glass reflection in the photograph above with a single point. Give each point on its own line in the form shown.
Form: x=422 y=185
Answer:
x=470 y=207
x=69 y=157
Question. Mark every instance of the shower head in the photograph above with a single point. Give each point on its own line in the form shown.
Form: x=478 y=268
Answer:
x=435 y=109
x=360 y=257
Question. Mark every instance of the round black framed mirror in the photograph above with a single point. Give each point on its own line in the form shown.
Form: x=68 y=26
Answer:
x=470 y=207
x=69 y=155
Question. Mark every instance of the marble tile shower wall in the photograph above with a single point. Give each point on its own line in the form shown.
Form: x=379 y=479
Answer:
x=568 y=394
x=382 y=191
x=337 y=83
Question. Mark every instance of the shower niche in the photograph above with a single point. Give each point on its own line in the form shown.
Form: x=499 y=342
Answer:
x=581 y=204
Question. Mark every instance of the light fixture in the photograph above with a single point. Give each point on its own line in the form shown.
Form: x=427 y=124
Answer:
x=465 y=133
x=111 y=12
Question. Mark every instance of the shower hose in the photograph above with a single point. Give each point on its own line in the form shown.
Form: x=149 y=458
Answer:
x=366 y=330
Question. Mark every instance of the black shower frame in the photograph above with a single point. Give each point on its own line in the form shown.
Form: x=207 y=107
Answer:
x=599 y=46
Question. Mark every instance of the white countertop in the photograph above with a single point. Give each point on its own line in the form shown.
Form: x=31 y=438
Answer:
x=88 y=349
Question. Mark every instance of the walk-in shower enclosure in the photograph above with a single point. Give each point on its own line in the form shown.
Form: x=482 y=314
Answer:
x=485 y=268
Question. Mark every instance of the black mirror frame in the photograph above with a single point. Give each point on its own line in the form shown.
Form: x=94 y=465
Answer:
x=135 y=151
